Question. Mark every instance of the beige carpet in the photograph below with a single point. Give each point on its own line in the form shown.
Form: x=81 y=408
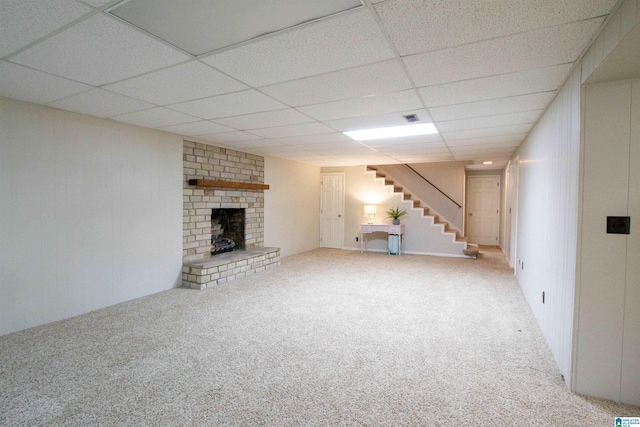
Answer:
x=329 y=338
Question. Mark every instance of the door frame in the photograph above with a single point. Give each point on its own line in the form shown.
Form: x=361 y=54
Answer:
x=322 y=175
x=466 y=205
x=513 y=195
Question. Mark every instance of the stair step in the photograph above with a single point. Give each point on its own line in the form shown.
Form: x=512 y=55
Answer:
x=417 y=204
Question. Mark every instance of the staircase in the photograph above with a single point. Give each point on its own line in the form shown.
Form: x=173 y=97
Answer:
x=462 y=247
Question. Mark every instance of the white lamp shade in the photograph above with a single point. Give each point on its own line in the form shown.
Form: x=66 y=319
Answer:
x=369 y=209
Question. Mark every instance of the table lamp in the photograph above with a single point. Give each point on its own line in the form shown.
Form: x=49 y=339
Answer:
x=369 y=213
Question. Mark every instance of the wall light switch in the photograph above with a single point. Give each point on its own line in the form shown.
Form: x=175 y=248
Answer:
x=618 y=224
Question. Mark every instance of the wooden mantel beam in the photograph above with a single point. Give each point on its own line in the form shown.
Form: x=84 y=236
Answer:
x=227 y=184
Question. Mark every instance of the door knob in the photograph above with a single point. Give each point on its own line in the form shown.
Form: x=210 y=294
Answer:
x=470 y=214
x=339 y=216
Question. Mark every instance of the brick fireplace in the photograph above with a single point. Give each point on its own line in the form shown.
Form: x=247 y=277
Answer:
x=203 y=161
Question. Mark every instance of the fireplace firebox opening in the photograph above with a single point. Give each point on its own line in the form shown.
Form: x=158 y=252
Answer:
x=227 y=230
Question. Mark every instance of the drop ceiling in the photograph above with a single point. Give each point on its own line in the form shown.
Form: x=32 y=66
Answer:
x=285 y=78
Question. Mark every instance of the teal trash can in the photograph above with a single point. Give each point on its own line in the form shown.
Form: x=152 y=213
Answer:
x=394 y=248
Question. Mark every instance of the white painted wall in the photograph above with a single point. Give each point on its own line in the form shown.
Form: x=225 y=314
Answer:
x=291 y=206
x=608 y=342
x=90 y=213
x=361 y=188
x=547 y=219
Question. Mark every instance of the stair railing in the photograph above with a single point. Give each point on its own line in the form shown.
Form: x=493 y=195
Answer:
x=431 y=184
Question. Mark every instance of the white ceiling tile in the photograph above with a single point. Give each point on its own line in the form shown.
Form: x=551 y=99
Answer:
x=25 y=21
x=293 y=154
x=311 y=139
x=35 y=86
x=428 y=25
x=245 y=144
x=497 y=158
x=421 y=148
x=490 y=121
x=483 y=154
x=227 y=137
x=480 y=133
x=202 y=127
x=312 y=160
x=358 y=107
x=536 y=101
x=500 y=86
x=99 y=50
x=418 y=139
x=346 y=41
x=503 y=55
x=182 y=82
x=228 y=105
x=338 y=147
x=293 y=130
x=208 y=25
x=266 y=119
x=378 y=120
x=155 y=117
x=474 y=160
x=340 y=70
x=101 y=103
x=98 y=3
x=499 y=139
x=303 y=156
x=346 y=159
x=382 y=77
x=425 y=158
x=271 y=149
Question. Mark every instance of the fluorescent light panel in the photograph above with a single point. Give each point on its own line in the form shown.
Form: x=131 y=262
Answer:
x=392 y=132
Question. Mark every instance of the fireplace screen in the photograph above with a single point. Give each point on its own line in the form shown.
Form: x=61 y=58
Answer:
x=227 y=230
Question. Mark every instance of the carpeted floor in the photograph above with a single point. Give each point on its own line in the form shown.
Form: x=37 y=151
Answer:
x=329 y=338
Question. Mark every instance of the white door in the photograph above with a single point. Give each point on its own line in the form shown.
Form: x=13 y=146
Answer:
x=331 y=210
x=483 y=213
x=513 y=191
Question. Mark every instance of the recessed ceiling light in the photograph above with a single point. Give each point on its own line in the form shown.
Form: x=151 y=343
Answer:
x=489 y=162
x=392 y=132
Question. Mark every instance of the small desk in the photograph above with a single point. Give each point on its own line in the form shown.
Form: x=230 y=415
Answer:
x=384 y=228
